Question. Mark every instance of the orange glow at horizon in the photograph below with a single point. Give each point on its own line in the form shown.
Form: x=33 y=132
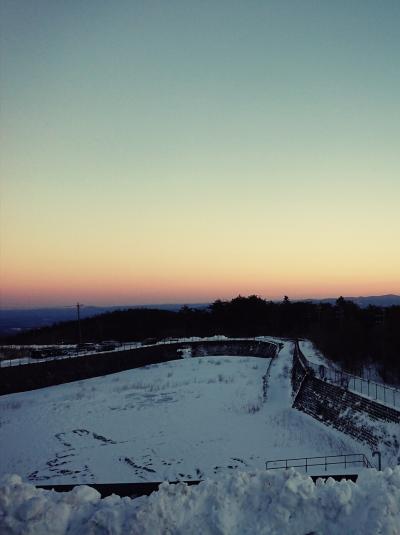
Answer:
x=103 y=289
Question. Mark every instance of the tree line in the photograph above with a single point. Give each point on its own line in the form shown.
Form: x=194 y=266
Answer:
x=342 y=331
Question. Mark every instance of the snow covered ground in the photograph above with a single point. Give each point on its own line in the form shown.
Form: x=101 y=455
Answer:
x=268 y=503
x=187 y=419
x=313 y=355
x=379 y=391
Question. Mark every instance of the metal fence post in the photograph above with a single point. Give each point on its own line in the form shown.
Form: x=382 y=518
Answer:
x=378 y=453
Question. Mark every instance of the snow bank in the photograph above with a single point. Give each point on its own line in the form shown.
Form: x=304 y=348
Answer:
x=266 y=502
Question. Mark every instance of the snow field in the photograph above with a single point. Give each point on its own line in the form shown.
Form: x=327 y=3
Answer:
x=186 y=419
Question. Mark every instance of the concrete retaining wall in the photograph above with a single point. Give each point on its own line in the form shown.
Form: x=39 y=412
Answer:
x=299 y=370
x=42 y=374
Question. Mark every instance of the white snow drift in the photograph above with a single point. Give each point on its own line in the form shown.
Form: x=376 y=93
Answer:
x=263 y=503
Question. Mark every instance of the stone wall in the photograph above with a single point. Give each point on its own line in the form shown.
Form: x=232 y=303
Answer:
x=249 y=348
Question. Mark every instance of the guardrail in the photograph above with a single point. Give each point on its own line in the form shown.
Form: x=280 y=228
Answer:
x=61 y=354
x=371 y=389
x=345 y=460
x=72 y=353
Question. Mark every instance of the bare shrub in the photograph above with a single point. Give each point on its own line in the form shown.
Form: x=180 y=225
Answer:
x=225 y=379
x=13 y=405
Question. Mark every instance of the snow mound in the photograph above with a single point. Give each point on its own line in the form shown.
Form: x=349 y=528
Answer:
x=265 y=502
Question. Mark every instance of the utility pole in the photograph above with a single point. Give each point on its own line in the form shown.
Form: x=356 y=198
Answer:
x=78 y=311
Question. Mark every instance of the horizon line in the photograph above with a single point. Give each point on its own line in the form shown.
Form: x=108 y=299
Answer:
x=188 y=303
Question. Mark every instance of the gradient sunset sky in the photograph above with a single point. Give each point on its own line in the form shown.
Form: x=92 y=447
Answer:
x=165 y=151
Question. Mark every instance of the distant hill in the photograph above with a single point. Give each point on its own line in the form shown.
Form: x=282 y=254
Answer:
x=13 y=321
x=363 y=302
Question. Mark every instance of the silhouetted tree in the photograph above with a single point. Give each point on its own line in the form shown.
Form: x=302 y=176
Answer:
x=344 y=332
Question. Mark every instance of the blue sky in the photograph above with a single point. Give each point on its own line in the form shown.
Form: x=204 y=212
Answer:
x=158 y=151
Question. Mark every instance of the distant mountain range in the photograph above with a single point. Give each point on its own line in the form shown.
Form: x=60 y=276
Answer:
x=363 y=302
x=15 y=320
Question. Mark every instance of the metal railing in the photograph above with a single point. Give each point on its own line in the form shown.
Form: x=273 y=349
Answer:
x=346 y=461
x=371 y=389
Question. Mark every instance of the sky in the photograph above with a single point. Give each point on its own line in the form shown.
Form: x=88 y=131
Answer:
x=184 y=151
